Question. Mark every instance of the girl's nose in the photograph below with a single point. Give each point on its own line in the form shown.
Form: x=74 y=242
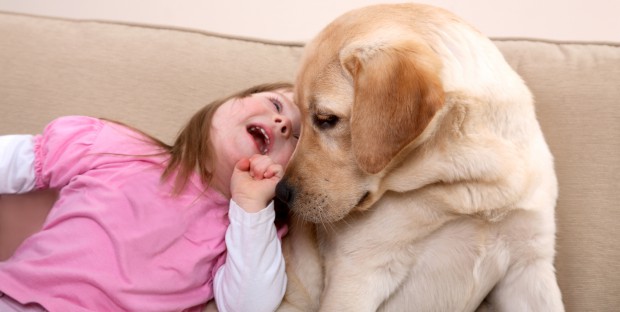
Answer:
x=283 y=125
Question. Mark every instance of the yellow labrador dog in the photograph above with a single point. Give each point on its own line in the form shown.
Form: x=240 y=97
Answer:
x=422 y=181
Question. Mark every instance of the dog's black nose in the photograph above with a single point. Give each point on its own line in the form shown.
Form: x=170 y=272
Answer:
x=284 y=192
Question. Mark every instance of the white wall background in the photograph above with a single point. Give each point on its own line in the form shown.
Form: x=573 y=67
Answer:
x=299 y=20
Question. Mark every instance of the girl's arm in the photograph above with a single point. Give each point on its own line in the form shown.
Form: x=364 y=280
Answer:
x=17 y=173
x=253 y=277
x=48 y=160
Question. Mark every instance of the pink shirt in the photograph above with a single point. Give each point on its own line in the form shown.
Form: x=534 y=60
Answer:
x=116 y=239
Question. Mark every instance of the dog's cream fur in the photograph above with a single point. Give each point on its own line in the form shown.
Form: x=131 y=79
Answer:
x=422 y=181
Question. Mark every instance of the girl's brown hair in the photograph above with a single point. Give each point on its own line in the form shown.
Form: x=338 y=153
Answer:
x=192 y=149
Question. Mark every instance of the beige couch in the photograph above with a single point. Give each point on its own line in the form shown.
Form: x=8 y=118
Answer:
x=154 y=78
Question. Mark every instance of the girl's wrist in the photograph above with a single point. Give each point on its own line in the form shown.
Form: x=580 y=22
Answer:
x=250 y=205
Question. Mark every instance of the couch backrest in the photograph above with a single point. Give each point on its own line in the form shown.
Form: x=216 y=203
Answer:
x=151 y=78
x=155 y=78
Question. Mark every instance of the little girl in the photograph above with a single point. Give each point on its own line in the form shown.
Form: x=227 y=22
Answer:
x=140 y=225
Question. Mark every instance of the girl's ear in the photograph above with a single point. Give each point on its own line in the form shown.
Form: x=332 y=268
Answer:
x=397 y=93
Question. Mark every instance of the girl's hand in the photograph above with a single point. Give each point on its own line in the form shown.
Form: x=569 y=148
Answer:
x=253 y=182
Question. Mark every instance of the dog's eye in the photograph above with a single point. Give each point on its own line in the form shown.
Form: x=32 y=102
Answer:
x=325 y=121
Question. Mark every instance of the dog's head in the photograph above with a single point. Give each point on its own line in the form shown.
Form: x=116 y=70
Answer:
x=372 y=88
x=368 y=87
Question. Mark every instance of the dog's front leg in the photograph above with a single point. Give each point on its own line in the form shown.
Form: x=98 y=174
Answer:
x=528 y=286
x=303 y=268
x=356 y=287
x=361 y=273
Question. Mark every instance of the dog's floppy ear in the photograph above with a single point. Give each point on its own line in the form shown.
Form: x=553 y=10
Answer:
x=397 y=93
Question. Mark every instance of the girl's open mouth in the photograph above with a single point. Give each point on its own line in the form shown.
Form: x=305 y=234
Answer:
x=260 y=138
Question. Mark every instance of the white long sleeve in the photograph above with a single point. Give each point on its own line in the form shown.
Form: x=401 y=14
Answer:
x=253 y=277
x=16 y=164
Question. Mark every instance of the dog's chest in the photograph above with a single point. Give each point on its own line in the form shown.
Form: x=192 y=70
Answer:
x=460 y=261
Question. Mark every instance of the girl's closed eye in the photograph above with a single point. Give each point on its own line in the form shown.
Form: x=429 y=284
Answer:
x=276 y=102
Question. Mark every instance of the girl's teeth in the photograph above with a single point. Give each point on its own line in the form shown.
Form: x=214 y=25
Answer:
x=265 y=135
